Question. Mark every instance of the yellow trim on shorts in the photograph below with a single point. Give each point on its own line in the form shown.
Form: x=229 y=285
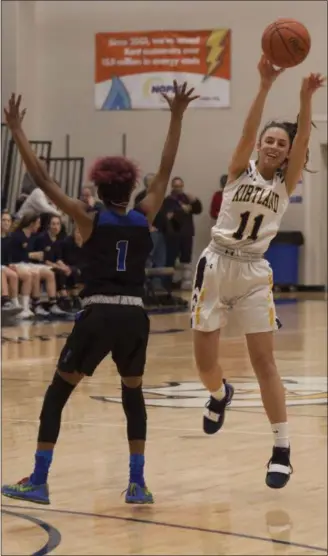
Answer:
x=199 y=306
x=271 y=309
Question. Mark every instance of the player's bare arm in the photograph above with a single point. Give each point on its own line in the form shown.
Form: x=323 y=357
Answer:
x=73 y=207
x=298 y=152
x=156 y=192
x=240 y=158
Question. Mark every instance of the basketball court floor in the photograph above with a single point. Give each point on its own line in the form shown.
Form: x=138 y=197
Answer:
x=210 y=495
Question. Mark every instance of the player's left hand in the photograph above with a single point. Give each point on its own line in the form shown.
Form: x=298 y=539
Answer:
x=14 y=115
x=179 y=102
x=311 y=84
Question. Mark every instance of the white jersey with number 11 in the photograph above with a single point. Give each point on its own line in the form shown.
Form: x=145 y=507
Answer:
x=251 y=211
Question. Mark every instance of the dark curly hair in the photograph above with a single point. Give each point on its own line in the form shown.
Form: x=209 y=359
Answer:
x=291 y=129
x=114 y=178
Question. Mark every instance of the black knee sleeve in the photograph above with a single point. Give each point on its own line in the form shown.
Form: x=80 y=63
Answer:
x=53 y=404
x=135 y=411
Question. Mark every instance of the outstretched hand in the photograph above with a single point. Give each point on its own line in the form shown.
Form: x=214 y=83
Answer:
x=267 y=72
x=311 y=84
x=179 y=102
x=14 y=115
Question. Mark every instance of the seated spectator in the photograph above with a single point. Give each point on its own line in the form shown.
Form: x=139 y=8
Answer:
x=217 y=198
x=11 y=276
x=9 y=290
x=179 y=209
x=35 y=201
x=50 y=243
x=23 y=256
x=157 y=258
x=71 y=265
x=6 y=223
x=28 y=184
x=20 y=201
x=27 y=187
x=89 y=198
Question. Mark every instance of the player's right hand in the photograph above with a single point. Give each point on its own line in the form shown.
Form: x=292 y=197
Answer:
x=14 y=114
x=179 y=102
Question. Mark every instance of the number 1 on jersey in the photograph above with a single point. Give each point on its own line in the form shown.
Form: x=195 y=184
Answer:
x=122 y=251
x=244 y=219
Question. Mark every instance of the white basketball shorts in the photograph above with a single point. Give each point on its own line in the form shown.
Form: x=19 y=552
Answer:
x=223 y=284
x=32 y=266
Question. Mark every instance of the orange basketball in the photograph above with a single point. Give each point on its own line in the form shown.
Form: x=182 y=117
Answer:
x=286 y=43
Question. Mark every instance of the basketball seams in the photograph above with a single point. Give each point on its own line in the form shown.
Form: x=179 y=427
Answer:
x=285 y=43
x=270 y=43
x=297 y=34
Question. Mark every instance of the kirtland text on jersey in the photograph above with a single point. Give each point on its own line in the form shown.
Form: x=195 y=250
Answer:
x=258 y=195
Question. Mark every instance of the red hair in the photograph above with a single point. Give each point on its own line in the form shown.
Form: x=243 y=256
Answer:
x=115 y=177
x=113 y=169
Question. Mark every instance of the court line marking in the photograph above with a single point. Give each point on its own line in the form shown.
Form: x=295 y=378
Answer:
x=177 y=429
x=54 y=536
x=297 y=360
x=225 y=339
x=260 y=411
x=177 y=526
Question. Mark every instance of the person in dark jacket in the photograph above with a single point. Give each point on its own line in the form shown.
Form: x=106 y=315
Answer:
x=23 y=256
x=157 y=258
x=88 y=197
x=72 y=264
x=179 y=209
x=50 y=244
x=11 y=275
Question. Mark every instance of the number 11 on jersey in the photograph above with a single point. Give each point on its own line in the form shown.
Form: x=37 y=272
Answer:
x=244 y=217
x=122 y=251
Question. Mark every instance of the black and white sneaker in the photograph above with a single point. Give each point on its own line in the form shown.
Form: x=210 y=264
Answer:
x=213 y=418
x=279 y=468
x=10 y=309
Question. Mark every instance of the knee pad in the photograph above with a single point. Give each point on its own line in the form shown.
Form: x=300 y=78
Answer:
x=135 y=411
x=54 y=402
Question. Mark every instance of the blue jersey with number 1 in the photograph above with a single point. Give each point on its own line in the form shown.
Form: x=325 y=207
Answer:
x=115 y=255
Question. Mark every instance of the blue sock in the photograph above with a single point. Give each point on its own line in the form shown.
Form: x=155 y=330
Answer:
x=137 y=463
x=43 y=459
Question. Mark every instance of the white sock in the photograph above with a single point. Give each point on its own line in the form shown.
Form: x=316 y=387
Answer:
x=280 y=435
x=15 y=301
x=25 y=302
x=219 y=394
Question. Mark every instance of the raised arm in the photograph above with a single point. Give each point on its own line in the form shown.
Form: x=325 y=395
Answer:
x=299 y=151
x=245 y=147
x=74 y=208
x=151 y=204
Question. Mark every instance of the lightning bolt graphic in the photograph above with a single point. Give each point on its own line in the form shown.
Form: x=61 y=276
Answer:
x=215 y=44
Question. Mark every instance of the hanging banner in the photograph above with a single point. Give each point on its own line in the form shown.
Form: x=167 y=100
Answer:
x=132 y=69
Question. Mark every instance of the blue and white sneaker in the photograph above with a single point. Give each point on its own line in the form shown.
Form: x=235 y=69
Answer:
x=25 y=490
x=136 y=494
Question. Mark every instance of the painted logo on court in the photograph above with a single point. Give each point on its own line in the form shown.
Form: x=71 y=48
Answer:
x=299 y=391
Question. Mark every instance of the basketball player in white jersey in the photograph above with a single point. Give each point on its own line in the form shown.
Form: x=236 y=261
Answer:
x=232 y=274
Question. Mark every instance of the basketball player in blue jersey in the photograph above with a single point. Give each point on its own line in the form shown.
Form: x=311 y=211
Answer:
x=232 y=275
x=116 y=245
